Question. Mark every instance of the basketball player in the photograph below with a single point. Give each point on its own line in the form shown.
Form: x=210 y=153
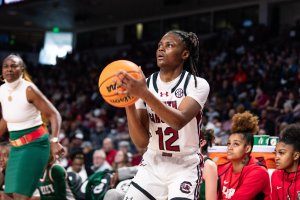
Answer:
x=166 y=120
x=243 y=177
x=286 y=179
x=21 y=105
x=54 y=183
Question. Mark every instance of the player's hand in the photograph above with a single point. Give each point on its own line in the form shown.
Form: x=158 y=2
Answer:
x=130 y=85
x=57 y=150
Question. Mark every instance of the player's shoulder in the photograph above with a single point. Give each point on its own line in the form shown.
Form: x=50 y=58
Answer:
x=201 y=82
x=57 y=170
x=277 y=174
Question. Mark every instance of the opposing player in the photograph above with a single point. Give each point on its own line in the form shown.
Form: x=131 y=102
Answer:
x=286 y=177
x=166 y=120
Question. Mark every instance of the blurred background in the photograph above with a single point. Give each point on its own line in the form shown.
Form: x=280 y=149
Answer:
x=249 y=53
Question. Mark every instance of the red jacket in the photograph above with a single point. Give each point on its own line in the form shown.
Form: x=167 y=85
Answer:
x=284 y=184
x=251 y=183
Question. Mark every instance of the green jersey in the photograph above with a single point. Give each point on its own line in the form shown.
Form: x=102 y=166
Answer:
x=54 y=184
x=97 y=185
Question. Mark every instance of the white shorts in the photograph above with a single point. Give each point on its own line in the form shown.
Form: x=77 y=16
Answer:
x=167 y=177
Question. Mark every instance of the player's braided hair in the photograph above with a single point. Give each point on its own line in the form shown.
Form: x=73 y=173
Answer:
x=191 y=42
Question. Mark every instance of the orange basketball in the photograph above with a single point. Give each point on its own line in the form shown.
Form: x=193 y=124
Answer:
x=109 y=84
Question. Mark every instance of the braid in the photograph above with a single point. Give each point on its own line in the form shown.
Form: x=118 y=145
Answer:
x=191 y=42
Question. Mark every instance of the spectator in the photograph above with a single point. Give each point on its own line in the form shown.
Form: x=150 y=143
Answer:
x=77 y=166
x=99 y=162
x=124 y=146
x=109 y=150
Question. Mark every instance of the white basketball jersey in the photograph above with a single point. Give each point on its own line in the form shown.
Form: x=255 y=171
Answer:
x=164 y=138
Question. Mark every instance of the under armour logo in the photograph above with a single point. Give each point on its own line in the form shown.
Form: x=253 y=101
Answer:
x=162 y=94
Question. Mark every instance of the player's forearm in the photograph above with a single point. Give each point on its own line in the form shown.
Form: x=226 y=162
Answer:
x=137 y=131
x=169 y=115
x=55 y=120
x=3 y=127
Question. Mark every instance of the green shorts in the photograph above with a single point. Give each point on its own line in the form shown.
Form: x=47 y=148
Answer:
x=26 y=164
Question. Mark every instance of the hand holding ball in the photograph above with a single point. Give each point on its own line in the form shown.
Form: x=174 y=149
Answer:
x=110 y=86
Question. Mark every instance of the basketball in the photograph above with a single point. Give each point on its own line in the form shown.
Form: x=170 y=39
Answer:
x=109 y=84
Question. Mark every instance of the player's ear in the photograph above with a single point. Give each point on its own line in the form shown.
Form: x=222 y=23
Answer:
x=203 y=143
x=185 y=54
x=248 y=149
x=296 y=155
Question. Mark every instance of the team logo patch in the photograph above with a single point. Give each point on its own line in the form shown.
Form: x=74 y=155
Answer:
x=179 y=92
x=185 y=187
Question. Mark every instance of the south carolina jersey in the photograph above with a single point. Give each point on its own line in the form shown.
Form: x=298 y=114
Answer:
x=163 y=137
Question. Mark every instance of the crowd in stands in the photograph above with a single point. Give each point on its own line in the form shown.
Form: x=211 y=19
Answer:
x=246 y=70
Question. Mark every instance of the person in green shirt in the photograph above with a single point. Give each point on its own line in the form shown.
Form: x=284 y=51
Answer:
x=54 y=183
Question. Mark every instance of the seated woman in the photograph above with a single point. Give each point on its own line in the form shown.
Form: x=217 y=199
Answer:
x=286 y=177
x=243 y=177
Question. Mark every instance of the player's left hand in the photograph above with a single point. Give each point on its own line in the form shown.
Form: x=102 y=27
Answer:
x=132 y=86
x=57 y=150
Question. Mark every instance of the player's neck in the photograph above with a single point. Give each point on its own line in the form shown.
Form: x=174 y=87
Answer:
x=169 y=75
x=293 y=168
x=238 y=166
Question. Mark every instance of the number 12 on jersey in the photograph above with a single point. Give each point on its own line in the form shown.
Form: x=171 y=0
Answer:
x=167 y=144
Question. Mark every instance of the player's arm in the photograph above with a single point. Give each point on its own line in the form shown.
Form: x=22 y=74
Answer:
x=210 y=174
x=1 y=177
x=138 y=125
x=36 y=97
x=176 y=118
x=59 y=178
x=3 y=126
x=187 y=109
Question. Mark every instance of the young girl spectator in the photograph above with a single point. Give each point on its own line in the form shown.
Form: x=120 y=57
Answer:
x=243 y=177
x=286 y=177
